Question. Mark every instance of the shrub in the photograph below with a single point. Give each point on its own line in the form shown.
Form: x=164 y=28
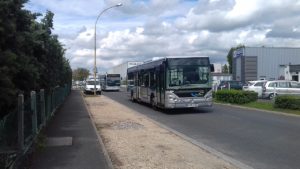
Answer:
x=236 y=96
x=287 y=102
x=214 y=94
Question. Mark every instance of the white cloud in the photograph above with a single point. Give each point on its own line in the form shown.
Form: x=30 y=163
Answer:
x=214 y=16
x=243 y=10
x=141 y=30
x=67 y=7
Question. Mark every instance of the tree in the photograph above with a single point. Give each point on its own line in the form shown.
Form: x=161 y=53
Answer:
x=31 y=57
x=230 y=56
x=225 y=69
x=80 y=74
x=14 y=62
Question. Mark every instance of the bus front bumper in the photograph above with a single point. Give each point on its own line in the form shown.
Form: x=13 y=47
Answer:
x=113 y=88
x=189 y=103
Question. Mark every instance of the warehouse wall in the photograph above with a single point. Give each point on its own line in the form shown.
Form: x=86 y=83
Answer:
x=252 y=63
x=270 y=59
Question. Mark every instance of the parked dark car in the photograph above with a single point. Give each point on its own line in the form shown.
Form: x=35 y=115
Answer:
x=230 y=84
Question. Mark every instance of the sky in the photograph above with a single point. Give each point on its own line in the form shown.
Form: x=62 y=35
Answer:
x=140 y=30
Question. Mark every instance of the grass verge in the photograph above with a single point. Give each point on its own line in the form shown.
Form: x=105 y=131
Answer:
x=266 y=106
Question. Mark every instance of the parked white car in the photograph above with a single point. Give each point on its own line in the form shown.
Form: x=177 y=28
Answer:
x=280 y=87
x=256 y=86
x=90 y=86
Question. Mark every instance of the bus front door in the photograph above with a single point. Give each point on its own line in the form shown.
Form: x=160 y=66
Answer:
x=160 y=88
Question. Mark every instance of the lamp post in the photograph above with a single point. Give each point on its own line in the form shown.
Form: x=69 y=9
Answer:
x=95 y=67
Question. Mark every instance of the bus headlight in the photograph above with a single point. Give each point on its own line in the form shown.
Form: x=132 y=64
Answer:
x=172 y=97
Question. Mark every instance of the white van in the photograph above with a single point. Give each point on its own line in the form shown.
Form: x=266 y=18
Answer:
x=90 y=86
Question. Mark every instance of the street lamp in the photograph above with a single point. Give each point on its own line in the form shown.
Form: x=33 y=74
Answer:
x=95 y=67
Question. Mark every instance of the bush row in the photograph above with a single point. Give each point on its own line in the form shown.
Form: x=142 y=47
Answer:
x=287 y=102
x=235 y=96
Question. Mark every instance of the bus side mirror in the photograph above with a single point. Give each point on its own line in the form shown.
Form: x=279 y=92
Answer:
x=212 y=68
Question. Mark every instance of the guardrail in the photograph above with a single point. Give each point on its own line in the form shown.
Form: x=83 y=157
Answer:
x=19 y=129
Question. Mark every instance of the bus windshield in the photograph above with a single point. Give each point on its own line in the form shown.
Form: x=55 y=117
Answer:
x=113 y=81
x=192 y=74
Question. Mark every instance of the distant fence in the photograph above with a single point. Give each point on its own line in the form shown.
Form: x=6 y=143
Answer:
x=19 y=128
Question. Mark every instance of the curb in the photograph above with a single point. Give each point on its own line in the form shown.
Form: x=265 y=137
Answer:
x=194 y=142
x=107 y=158
x=261 y=110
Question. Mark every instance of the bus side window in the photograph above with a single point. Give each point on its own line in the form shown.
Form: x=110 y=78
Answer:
x=146 y=80
x=136 y=80
x=141 y=76
x=152 y=80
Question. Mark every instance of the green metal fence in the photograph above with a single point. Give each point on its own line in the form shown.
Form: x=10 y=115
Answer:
x=20 y=127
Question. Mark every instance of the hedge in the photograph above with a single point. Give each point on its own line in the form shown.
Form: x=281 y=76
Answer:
x=287 y=102
x=236 y=96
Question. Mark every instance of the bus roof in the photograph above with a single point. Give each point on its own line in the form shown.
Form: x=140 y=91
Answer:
x=153 y=63
x=187 y=57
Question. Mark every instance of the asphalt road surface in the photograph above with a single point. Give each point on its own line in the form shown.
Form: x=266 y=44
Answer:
x=258 y=139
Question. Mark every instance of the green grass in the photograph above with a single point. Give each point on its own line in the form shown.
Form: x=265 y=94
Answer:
x=260 y=105
x=267 y=106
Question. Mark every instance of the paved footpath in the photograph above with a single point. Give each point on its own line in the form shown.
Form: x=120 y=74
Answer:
x=72 y=141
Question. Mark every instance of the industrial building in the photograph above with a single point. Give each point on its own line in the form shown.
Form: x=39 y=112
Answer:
x=122 y=69
x=217 y=67
x=266 y=63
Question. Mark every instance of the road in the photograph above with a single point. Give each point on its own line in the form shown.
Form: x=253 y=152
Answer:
x=258 y=139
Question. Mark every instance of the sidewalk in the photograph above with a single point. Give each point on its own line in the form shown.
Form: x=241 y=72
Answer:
x=72 y=142
x=135 y=141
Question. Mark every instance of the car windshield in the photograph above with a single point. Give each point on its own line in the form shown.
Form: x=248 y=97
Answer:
x=250 y=83
x=182 y=76
x=259 y=84
x=92 y=82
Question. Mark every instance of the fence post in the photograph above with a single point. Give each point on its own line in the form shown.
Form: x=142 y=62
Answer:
x=21 y=122
x=52 y=102
x=65 y=91
x=42 y=101
x=34 y=113
x=48 y=105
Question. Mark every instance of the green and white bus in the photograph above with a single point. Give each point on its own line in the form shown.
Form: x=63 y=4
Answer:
x=172 y=82
x=110 y=82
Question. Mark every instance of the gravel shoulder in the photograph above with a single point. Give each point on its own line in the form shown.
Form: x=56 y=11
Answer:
x=134 y=141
